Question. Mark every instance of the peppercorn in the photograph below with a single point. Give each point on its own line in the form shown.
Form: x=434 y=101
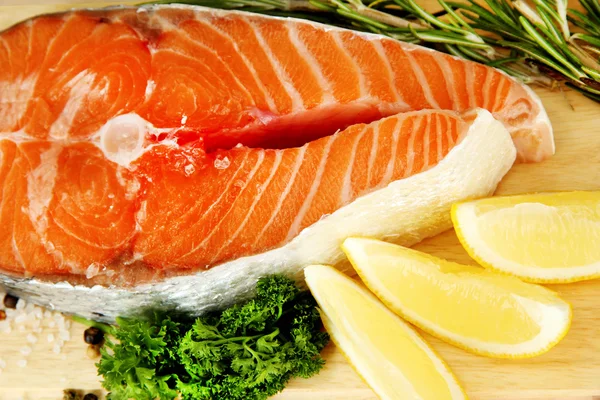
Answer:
x=93 y=335
x=10 y=301
x=71 y=394
x=93 y=351
x=2 y=315
x=90 y=396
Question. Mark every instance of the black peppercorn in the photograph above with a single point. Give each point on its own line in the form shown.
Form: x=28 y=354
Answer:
x=93 y=335
x=10 y=301
x=90 y=396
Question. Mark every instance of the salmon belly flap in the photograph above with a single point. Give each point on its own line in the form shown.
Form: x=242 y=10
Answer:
x=138 y=143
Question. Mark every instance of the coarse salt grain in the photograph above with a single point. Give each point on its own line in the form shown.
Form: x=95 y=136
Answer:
x=26 y=350
x=56 y=349
x=22 y=363
x=2 y=363
x=50 y=338
x=65 y=335
x=31 y=338
x=21 y=304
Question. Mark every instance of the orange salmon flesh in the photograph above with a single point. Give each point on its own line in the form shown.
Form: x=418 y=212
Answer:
x=138 y=143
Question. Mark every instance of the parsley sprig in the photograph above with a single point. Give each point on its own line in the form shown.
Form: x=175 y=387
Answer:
x=248 y=351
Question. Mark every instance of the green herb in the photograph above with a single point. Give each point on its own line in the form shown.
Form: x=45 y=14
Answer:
x=248 y=351
x=533 y=42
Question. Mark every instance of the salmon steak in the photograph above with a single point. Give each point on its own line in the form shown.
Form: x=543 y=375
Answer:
x=169 y=156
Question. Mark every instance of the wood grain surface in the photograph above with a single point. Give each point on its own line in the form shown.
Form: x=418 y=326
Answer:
x=570 y=371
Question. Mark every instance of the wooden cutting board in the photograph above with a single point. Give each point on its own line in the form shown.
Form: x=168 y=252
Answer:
x=570 y=371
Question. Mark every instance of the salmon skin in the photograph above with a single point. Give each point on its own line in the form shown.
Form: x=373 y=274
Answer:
x=169 y=156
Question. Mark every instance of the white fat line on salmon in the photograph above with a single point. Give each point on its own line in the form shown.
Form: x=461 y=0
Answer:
x=410 y=148
x=295 y=227
x=15 y=248
x=504 y=80
x=362 y=82
x=449 y=134
x=14 y=99
x=373 y=153
x=426 y=143
x=9 y=53
x=267 y=95
x=140 y=215
x=150 y=86
x=391 y=75
x=485 y=91
x=286 y=191
x=438 y=137
x=284 y=78
x=224 y=64
x=40 y=190
x=261 y=190
x=29 y=25
x=261 y=156
x=442 y=61
x=346 y=194
x=80 y=89
x=312 y=62
x=469 y=68
x=422 y=80
x=389 y=171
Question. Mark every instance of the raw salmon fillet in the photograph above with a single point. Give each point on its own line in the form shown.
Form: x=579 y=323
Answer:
x=186 y=147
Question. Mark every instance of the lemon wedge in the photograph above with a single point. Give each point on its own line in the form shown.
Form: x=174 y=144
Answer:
x=545 y=238
x=389 y=355
x=473 y=308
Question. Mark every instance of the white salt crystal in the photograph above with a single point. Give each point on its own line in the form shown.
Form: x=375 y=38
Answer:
x=50 y=338
x=47 y=314
x=2 y=363
x=22 y=363
x=51 y=324
x=21 y=318
x=21 y=304
x=56 y=349
x=26 y=350
x=31 y=338
x=21 y=328
x=65 y=335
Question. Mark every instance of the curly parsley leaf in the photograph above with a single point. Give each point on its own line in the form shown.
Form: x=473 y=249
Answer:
x=248 y=351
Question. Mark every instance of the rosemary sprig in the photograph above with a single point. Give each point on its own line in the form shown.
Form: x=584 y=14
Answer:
x=533 y=41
